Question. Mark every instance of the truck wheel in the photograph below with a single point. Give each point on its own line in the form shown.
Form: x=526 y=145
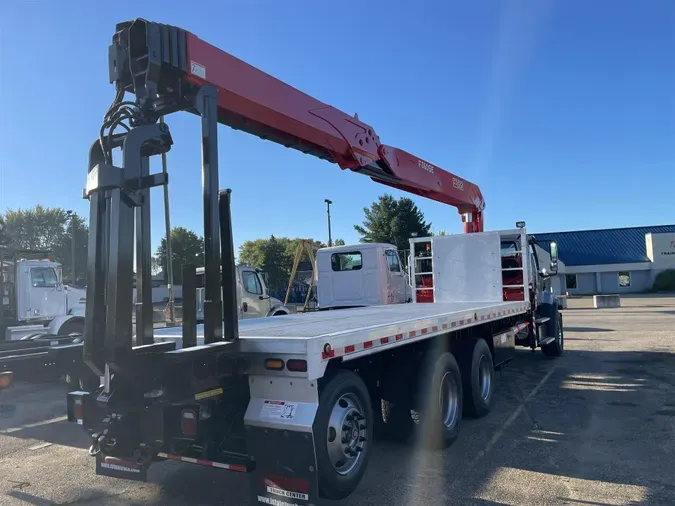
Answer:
x=441 y=404
x=557 y=347
x=72 y=327
x=343 y=435
x=477 y=377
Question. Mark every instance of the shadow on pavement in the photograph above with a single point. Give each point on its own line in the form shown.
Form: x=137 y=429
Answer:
x=597 y=430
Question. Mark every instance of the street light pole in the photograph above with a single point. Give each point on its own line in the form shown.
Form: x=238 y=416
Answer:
x=71 y=215
x=328 y=203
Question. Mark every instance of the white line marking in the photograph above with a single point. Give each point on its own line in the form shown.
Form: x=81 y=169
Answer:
x=40 y=446
x=512 y=418
x=32 y=425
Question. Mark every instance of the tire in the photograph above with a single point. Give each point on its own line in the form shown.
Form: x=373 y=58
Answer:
x=344 y=402
x=72 y=327
x=477 y=370
x=557 y=347
x=441 y=407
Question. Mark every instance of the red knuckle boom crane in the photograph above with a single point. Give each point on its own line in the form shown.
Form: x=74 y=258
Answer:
x=255 y=102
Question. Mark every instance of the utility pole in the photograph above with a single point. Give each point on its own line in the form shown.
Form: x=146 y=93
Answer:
x=71 y=214
x=169 y=255
x=328 y=203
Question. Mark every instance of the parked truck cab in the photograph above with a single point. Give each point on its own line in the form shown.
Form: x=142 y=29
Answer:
x=369 y=274
x=33 y=298
x=253 y=298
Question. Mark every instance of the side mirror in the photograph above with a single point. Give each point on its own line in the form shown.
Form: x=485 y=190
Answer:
x=554 y=258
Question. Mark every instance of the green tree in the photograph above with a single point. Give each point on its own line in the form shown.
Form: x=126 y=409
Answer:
x=49 y=229
x=4 y=238
x=275 y=256
x=393 y=221
x=339 y=242
x=186 y=248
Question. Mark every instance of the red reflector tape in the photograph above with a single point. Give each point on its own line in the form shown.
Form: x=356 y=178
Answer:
x=208 y=463
x=350 y=348
x=368 y=344
x=424 y=331
x=384 y=340
x=399 y=337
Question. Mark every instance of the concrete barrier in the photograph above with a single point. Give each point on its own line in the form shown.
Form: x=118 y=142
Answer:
x=606 y=301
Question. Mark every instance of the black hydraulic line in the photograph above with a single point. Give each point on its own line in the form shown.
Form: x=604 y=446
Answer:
x=189 y=306
x=229 y=269
x=207 y=106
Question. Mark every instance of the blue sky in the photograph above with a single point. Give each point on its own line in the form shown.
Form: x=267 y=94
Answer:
x=563 y=112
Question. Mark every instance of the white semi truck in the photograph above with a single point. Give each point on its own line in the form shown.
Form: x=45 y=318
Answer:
x=295 y=399
x=33 y=298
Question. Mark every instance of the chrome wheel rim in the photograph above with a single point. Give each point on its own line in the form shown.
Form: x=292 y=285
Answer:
x=347 y=433
x=449 y=400
x=484 y=377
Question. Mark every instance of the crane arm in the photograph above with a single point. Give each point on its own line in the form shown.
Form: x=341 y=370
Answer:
x=163 y=65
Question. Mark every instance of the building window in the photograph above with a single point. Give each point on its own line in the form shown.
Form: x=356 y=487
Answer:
x=571 y=281
x=350 y=261
x=624 y=279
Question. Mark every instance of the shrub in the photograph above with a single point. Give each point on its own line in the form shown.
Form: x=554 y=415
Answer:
x=665 y=281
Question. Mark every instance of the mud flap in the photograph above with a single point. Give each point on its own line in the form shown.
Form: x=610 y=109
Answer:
x=285 y=473
x=117 y=468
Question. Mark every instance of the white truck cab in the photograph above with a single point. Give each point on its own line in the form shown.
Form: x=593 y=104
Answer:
x=34 y=298
x=253 y=298
x=368 y=274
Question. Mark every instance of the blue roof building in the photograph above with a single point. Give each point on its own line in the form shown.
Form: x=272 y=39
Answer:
x=616 y=260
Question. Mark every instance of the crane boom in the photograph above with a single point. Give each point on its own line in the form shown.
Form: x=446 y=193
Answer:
x=163 y=59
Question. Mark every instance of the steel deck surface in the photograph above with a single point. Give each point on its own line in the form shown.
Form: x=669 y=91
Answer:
x=307 y=333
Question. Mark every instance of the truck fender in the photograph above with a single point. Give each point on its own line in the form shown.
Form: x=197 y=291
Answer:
x=278 y=310
x=58 y=323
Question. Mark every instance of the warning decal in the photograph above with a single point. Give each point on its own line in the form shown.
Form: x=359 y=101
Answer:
x=278 y=409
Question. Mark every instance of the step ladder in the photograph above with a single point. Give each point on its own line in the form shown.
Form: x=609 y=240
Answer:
x=422 y=267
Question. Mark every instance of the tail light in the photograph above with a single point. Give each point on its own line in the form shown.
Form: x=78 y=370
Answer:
x=296 y=365
x=188 y=422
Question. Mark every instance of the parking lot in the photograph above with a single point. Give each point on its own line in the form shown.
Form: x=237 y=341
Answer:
x=594 y=427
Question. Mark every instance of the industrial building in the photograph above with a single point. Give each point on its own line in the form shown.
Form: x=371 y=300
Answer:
x=617 y=260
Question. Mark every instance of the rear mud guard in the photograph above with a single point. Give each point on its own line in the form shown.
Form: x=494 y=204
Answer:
x=279 y=436
x=285 y=473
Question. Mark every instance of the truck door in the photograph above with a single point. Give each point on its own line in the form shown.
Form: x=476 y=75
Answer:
x=253 y=301
x=396 y=292
x=45 y=296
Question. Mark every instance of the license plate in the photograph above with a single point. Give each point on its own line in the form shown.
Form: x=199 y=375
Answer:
x=117 y=468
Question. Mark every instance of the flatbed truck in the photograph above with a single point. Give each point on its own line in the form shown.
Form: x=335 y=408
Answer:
x=296 y=399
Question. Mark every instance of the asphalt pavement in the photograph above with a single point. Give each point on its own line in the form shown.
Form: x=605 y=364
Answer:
x=596 y=426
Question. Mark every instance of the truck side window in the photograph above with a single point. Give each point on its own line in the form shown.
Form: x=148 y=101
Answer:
x=251 y=282
x=349 y=261
x=43 y=277
x=392 y=260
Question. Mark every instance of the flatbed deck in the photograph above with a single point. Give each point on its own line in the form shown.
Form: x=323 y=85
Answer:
x=356 y=332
